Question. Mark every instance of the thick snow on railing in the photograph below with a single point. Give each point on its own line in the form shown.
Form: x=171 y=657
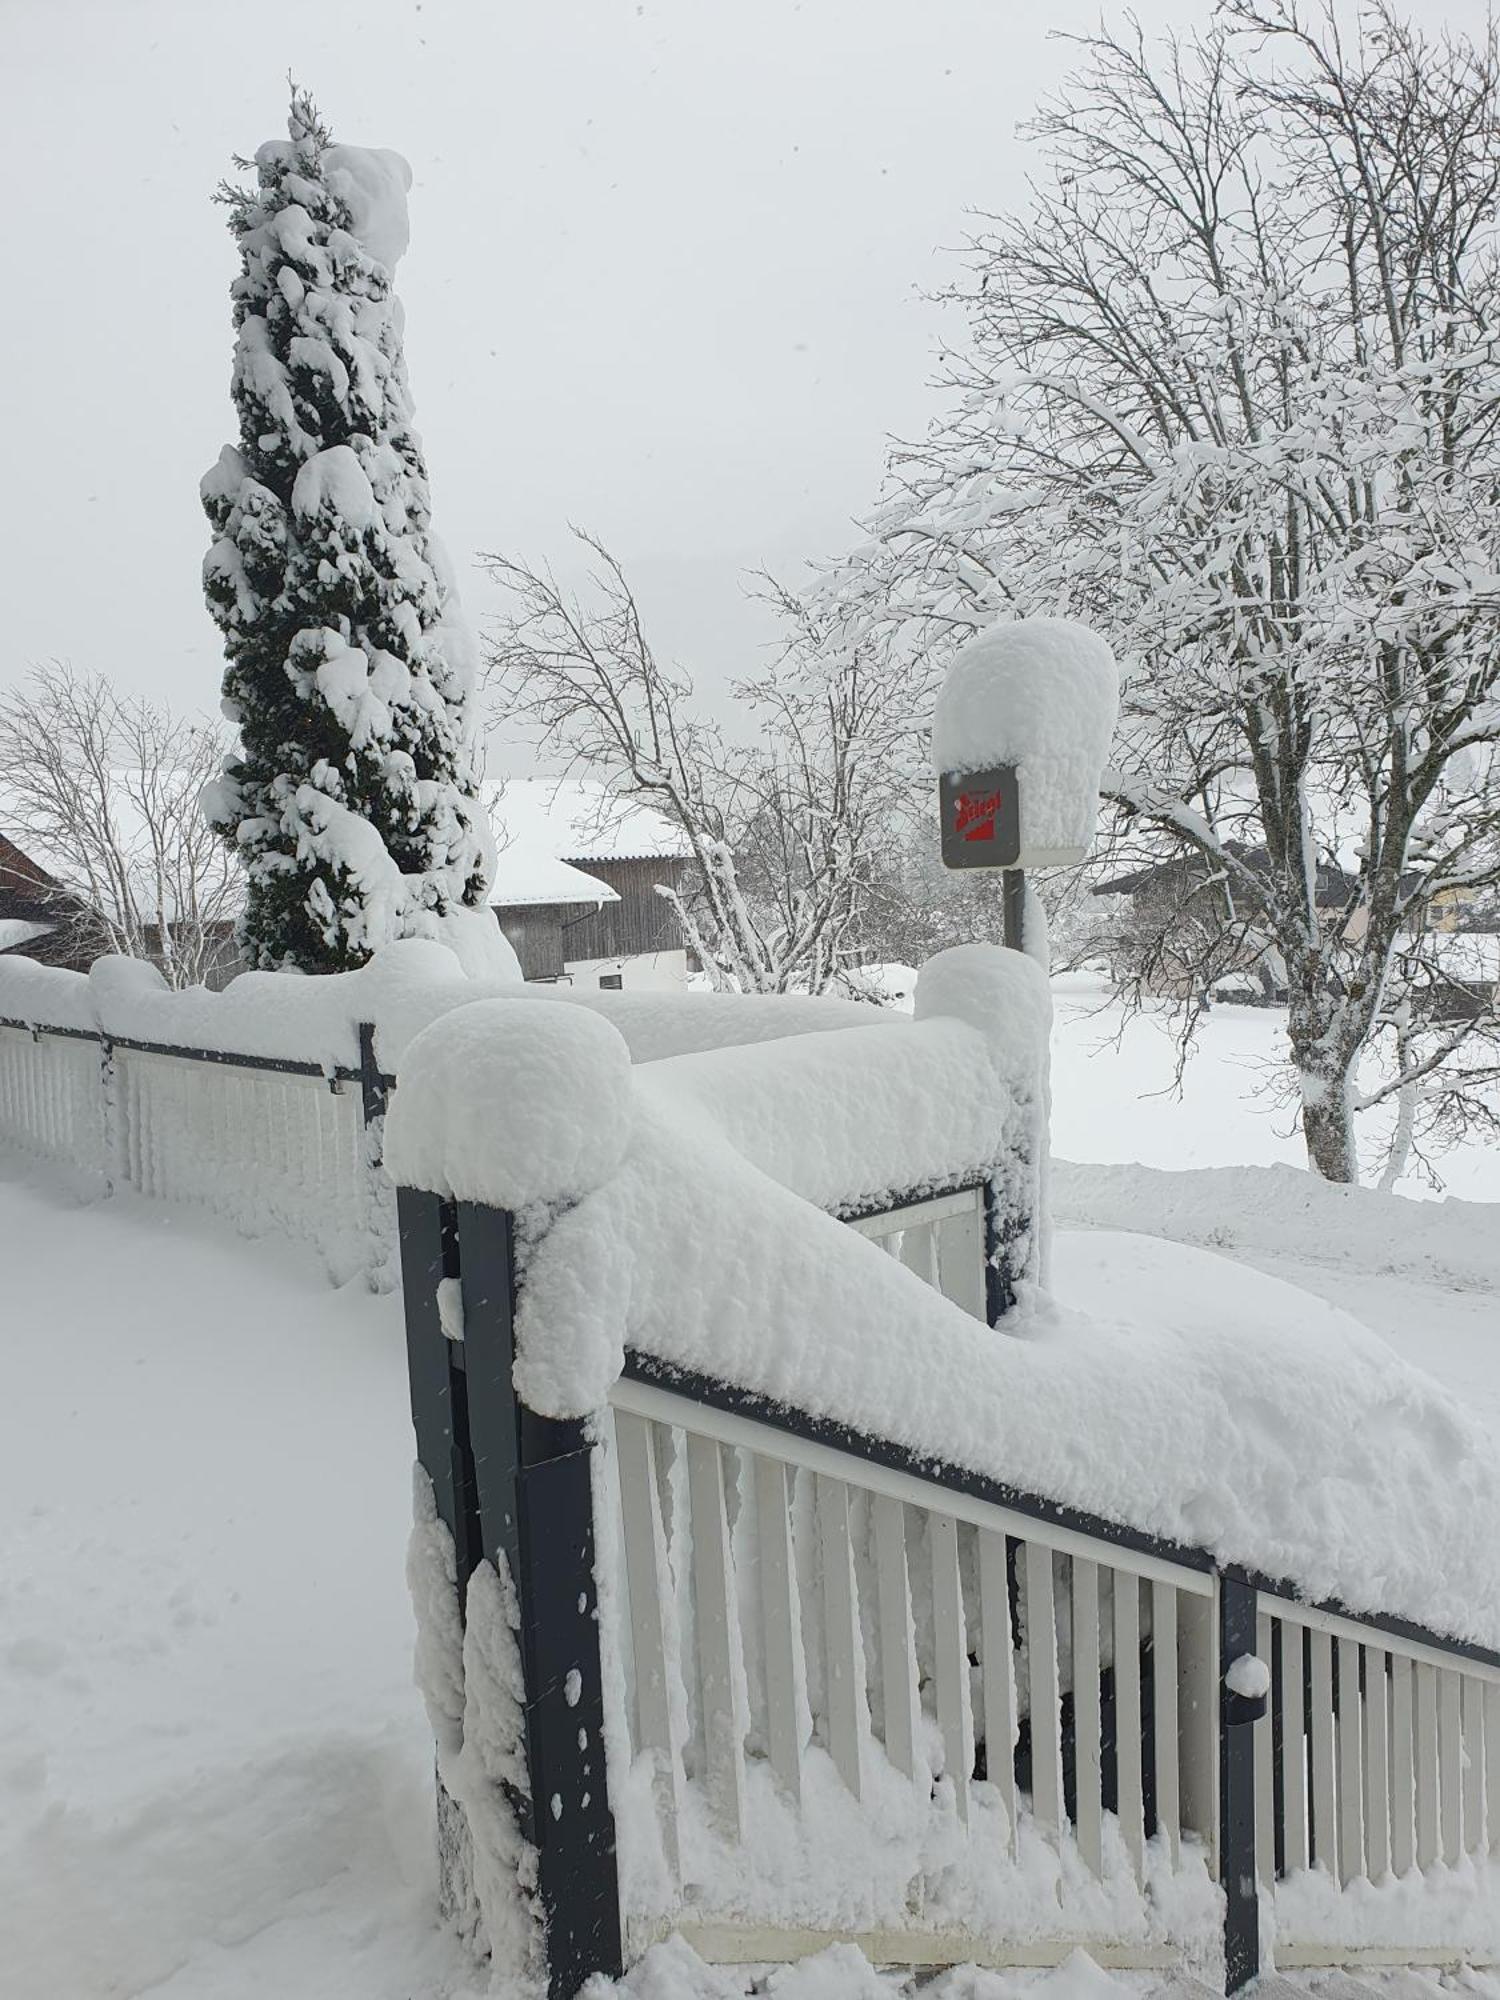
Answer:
x=401 y=990
x=1317 y=1456
x=177 y=1094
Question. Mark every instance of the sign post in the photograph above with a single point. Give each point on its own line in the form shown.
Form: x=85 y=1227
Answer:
x=980 y=816
x=1020 y=735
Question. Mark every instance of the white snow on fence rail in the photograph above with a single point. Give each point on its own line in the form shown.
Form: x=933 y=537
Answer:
x=274 y=1151
x=404 y=987
x=1308 y=1452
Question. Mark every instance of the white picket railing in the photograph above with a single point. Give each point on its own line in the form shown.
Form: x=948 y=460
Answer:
x=274 y=1146
x=271 y=1148
x=789 y=1601
x=52 y=1097
x=941 y=1239
x=1378 y=1761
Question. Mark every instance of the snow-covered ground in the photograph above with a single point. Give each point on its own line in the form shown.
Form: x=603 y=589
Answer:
x=214 y=1771
x=1113 y=1095
x=1114 y=1101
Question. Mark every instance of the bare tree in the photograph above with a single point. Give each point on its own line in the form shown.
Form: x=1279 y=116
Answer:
x=103 y=791
x=782 y=830
x=1233 y=396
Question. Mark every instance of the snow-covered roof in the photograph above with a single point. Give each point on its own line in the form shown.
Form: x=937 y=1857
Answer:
x=526 y=874
x=18 y=931
x=579 y=820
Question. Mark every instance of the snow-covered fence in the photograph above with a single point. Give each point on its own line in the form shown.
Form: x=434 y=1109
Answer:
x=264 y=1103
x=272 y=1144
x=52 y=1094
x=765 y=1597
x=1377 y=1762
x=1020 y=1708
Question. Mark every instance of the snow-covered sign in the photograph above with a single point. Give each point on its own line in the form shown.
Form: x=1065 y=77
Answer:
x=1020 y=738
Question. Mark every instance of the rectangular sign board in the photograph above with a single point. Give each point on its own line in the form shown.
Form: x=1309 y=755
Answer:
x=981 y=818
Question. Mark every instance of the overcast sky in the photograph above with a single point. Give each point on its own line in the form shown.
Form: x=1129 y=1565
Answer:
x=665 y=278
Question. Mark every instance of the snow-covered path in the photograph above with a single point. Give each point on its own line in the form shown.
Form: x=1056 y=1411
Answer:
x=214 y=1768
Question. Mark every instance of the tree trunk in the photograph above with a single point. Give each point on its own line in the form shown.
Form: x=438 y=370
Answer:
x=1328 y=1124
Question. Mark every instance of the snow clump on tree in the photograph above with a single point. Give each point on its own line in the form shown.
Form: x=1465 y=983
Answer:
x=352 y=798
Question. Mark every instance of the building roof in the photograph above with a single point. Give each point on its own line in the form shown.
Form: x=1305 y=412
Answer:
x=18 y=931
x=526 y=874
x=580 y=820
x=1335 y=887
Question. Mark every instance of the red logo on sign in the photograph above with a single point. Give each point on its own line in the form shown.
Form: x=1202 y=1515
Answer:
x=974 y=816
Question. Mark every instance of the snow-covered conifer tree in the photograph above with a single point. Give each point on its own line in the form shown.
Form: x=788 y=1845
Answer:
x=352 y=797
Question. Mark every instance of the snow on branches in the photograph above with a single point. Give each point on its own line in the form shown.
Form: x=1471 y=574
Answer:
x=1232 y=397
x=352 y=798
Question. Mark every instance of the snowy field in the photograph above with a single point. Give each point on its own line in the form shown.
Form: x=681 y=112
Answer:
x=214 y=1771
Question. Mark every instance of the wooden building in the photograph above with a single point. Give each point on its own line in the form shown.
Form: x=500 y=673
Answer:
x=577 y=884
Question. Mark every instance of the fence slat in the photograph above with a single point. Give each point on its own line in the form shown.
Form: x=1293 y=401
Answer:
x=1044 y=1691
x=1324 y=1831
x=960 y=1246
x=1377 y=1764
x=646 y=1580
x=919 y=1251
x=1130 y=1800
x=778 y=1610
x=844 y=1647
x=713 y=1602
x=1295 y=1851
x=898 y=1660
x=1403 y=1776
x=1425 y=1757
x=1492 y=1765
x=951 y=1650
x=1198 y=1720
x=1350 y=1746
x=1473 y=1762
x=1164 y=1701
x=1265 y=1773
x=1087 y=1730
x=1450 y=1765
x=1000 y=1675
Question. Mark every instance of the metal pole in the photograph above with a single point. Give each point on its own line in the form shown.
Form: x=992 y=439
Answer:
x=1013 y=885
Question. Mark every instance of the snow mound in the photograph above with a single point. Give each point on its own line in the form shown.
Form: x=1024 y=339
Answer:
x=511 y=1105
x=1285 y=1211
x=852 y=1121
x=1041 y=694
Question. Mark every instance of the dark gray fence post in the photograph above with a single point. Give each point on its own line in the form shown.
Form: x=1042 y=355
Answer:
x=1001 y=1229
x=428 y=1232
x=372 y=1089
x=517 y=1489
x=536 y=1509
x=1237 y=1863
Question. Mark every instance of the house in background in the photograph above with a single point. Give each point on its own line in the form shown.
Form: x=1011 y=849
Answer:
x=576 y=884
x=169 y=900
x=1190 y=907
x=38 y=918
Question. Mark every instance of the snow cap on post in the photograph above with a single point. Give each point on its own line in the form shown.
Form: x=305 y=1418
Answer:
x=1004 y=994
x=1037 y=696
x=510 y=1102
